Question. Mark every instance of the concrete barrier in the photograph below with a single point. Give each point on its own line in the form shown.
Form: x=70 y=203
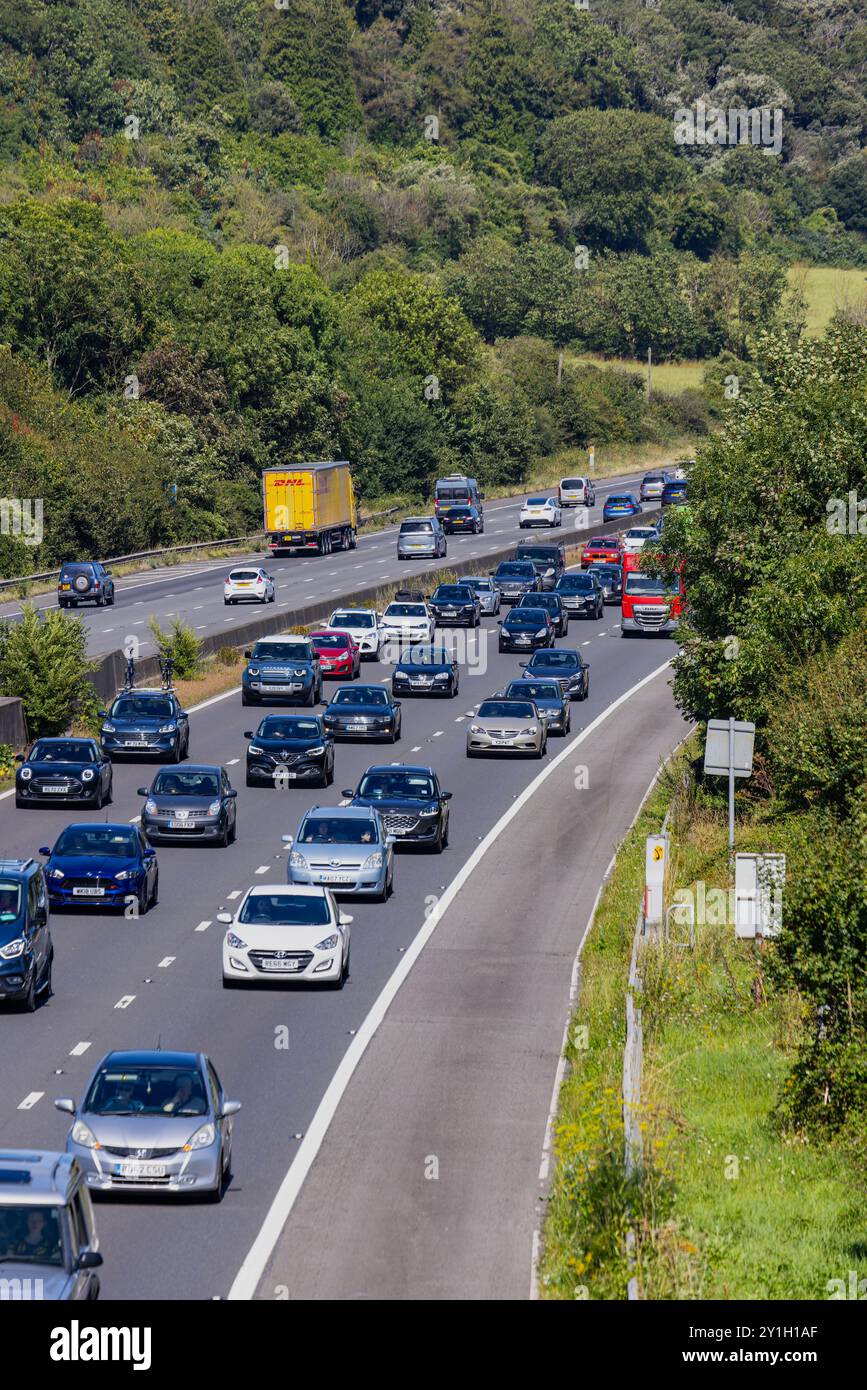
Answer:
x=13 y=725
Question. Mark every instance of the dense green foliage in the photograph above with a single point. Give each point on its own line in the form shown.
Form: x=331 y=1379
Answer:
x=244 y=232
x=43 y=660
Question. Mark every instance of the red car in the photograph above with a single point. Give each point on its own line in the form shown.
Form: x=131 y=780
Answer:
x=604 y=548
x=339 y=654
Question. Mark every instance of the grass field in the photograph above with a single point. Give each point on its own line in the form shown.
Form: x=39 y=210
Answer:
x=668 y=377
x=827 y=289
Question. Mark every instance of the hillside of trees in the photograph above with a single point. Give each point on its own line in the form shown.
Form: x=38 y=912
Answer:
x=237 y=232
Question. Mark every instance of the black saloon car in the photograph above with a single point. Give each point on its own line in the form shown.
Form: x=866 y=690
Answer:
x=64 y=769
x=581 y=593
x=457 y=519
x=363 y=711
x=191 y=804
x=611 y=579
x=290 y=748
x=563 y=664
x=553 y=604
x=456 y=604
x=524 y=629
x=514 y=578
x=426 y=671
x=410 y=802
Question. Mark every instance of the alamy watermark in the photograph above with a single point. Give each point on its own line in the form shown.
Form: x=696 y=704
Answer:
x=847 y=516
x=738 y=125
x=22 y=517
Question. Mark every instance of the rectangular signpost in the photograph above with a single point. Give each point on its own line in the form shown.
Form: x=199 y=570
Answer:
x=728 y=752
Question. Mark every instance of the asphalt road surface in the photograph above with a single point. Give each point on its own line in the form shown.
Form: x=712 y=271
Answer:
x=125 y=984
x=195 y=591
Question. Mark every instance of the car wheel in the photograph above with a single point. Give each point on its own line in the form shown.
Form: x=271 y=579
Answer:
x=231 y=984
x=245 y=698
x=20 y=803
x=109 y=792
x=98 y=799
x=176 y=752
x=223 y=840
x=250 y=781
x=233 y=833
x=28 y=1003
x=47 y=985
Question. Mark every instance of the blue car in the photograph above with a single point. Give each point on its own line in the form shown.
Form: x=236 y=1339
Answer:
x=145 y=723
x=26 y=952
x=95 y=865
x=620 y=504
x=285 y=669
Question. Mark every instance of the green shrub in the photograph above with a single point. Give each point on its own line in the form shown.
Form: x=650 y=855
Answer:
x=43 y=660
x=181 y=645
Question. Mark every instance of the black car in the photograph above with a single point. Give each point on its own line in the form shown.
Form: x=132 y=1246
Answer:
x=426 y=671
x=363 y=711
x=84 y=581
x=410 y=802
x=563 y=664
x=675 y=493
x=524 y=629
x=457 y=519
x=553 y=604
x=454 y=604
x=549 y=698
x=549 y=562
x=26 y=950
x=290 y=748
x=190 y=804
x=143 y=723
x=581 y=593
x=63 y=769
x=514 y=578
x=611 y=579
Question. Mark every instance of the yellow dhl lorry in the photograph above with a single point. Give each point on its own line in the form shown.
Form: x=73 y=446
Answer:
x=311 y=507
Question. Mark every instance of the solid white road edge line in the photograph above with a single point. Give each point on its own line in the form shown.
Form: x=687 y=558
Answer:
x=247 y=1279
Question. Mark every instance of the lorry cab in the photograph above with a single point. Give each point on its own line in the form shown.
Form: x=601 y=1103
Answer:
x=49 y=1248
x=649 y=604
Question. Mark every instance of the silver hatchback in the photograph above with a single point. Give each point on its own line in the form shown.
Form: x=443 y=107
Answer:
x=344 y=848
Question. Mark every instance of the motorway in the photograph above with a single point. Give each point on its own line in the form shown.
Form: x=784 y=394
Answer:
x=194 y=591
x=125 y=984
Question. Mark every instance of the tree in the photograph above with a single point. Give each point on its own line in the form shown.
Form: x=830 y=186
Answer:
x=43 y=660
x=406 y=324
x=847 y=187
x=307 y=47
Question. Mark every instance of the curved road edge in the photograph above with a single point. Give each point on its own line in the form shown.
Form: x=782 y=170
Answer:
x=418 y=1178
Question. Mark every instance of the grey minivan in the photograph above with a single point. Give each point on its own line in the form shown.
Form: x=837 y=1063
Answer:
x=421 y=537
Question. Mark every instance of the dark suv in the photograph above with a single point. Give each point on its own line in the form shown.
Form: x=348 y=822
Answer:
x=410 y=801
x=26 y=951
x=549 y=562
x=85 y=581
x=286 y=669
x=145 y=722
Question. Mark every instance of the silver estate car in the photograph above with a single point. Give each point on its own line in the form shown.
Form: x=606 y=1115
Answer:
x=345 y=848
x=507 y=726
x=153 y=1121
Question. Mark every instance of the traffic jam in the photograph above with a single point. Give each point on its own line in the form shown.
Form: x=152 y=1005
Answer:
x=150 y=1121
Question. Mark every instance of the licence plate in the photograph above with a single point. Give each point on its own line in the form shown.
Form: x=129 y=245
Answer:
x=55 y=789
x=282 y=772
x=420 y=680
x=181 y=825
x=88 y=892
x=336 y=878
x=501 y=742
x=139 y=1170
x=450 y=612
x=135 y=743
x=281 y=964
x=66 y=586
x=281 y=689
x=356 y=728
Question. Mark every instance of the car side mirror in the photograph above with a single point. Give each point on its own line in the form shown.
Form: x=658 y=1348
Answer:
x=231 y=792
x=66 y=1104
x=88 y=1259
x=523 y=665
x=397 y=704
x=248 y=653
x=143 y=791
x=248 y=733
x=225 y=918
x=149 y=853
x=347 y=792
x=103 y=713
x=344 y=919
x=43 y=849
x=391 y=839
x=287 y=839
x=446 y=796
x=229 y=1108
x=20 y=758
x=586 y=665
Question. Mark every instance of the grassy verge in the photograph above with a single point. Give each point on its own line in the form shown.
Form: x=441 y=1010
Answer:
x=827 y=289
x=729 y=1207
x=668 y=377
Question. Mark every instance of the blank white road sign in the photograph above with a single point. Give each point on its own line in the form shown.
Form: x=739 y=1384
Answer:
x=759 y=883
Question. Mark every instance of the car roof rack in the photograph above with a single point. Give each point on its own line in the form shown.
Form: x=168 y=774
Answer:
x=166 y=686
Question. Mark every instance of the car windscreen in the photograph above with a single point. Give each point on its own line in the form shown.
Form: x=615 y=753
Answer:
x=653 y=478
x=458 y=593
x=574 y=584
x=425 y=656
x=534 y=600
x=337 y=830
x=10 y=900
x=538 y=501
x=412 y=528
x=640 y=533
x=646 y=584
x=277 y=726
x=452 y=494
x=555 y=658
x=533 y=690
x=379 y=786
x=345 y=618
x=522 y=615
x=361 y=695
x=134 y=707
x=405 y=610
x=30 y=1235
x=606 y=572
x=285 y=910
x=173 y=782
x=108 y=841
x=458 y=511
x=539 y=554
x=621 y=499
x=330 y=641
x=506 y=709
x=65 y=750
x=281 y=651
x=75 y=569
x=146 y=1090
x=515 y=569
x=482 y=584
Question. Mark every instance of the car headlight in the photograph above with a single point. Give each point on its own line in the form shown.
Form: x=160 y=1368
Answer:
x=82 y=1134
x=254 y=749
x=202 y=1138
x=430 y=811
x=56 y=873
x=13 y=949
x=531 y=729
x=124 y=873
x=316 y=751
x=235 y=942
x=328 y=944
x=543 y=631
x=297 y=861
x=252 y=670
x=150 y=807
x=373 y=861
x=476 y=729
x=302 y=671
x=441 y=676
x=26 y=774
x=169 y=729
x=108 y=728
x=214 y=808
x=87 y=775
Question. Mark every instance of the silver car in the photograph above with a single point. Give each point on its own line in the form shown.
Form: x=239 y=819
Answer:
x=344 y=848
x=421 y=537
x=153 y=1121
x=489 y=594
x=652 y=485
x=507 y=726
x=48 y=1243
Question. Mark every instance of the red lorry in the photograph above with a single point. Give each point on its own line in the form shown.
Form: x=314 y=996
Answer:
x=649 y=605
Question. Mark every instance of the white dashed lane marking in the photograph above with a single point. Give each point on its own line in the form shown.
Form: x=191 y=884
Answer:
x=80 y=1049
x=29 y=1101
x=262 y=869
x=235 y=893
x=166 y=962
x=232 y=761
x=124 y=1001
x=203 y=926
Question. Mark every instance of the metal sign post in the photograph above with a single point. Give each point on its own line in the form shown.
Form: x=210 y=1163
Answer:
x=728 y=752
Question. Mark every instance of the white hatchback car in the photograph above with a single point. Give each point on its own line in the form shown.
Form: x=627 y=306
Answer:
x=637 y=537
x=286 y=932
x=363 y=625
x=249 y=585
x=540 y=511
x=404 y=622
